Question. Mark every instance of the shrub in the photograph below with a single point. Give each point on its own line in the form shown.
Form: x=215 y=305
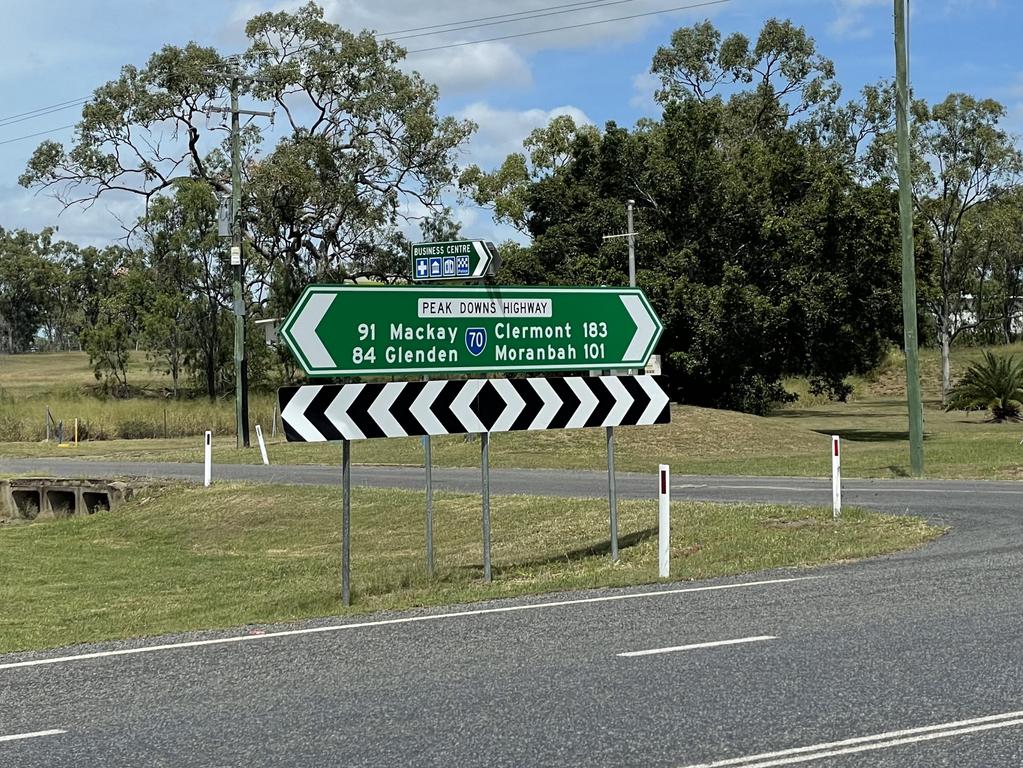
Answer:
x=995 y=383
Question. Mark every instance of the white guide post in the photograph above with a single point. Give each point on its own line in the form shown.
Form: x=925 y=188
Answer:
x=663 y=520
x=836 y=477
x=207 y=476
x=262 y=444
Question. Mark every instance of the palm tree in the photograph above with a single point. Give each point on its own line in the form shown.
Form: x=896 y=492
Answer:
x=995 y=383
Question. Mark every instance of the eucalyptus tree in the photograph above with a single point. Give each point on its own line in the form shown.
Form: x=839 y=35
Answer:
x=962 y=158
x=769 y=82
x=27 y=281
x=362 y=144
x=188 y=326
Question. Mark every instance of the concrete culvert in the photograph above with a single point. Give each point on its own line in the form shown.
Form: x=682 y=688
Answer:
x=26 y=503
x=43 y=498
x=61 y=502
x=96 y=501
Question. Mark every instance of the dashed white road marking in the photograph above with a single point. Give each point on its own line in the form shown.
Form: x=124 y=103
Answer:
x=403 y=620
x=695 y=646
x=33 y=735
x=868 y=743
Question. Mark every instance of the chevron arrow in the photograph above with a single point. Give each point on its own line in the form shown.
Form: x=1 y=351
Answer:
x=319 y=413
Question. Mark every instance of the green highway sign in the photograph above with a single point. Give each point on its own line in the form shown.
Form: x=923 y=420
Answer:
x=455 y=260
x=345 y=330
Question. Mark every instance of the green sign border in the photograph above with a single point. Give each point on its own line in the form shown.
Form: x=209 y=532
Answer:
x=337 y=289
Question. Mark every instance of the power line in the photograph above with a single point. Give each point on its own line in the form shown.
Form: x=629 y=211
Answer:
x=483 y=18
x=523 y=16
x=40 y=133
x=570 y=26
x=59 y=104
x=41 y=112
x=580 y=5
x=573 y=7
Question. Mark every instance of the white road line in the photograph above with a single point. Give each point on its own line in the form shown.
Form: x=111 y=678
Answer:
x=695 y=646
x=406 y=620
x=33 y=735
x=851 y=489
x=868 y=743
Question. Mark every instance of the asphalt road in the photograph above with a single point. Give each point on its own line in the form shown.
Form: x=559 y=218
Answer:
x=910 y=660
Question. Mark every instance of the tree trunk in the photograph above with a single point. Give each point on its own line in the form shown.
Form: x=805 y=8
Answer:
x=946 y=368
x=211 y=384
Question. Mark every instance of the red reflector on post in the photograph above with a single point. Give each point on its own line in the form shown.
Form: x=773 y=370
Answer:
x=664 y=481
x=835 y=444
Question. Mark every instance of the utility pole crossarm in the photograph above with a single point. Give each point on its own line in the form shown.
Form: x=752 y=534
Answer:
x=252 y=112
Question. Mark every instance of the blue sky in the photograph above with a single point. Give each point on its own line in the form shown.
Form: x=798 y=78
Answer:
x=59 y=50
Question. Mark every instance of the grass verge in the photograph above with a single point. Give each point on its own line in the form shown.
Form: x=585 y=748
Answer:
x=793 y=442
x=182 y=558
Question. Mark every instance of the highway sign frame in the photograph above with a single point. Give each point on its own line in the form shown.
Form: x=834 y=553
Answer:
x=300 y=329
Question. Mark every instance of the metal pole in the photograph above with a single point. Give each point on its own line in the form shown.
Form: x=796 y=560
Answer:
x=916 y=408
x=612 y=493
x=485 y=463
x=241 y=373
x=632 y=248
x=428 y=462
x=346 y=522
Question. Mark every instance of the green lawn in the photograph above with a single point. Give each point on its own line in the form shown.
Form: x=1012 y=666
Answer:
x=181 y=558
x=792 y=441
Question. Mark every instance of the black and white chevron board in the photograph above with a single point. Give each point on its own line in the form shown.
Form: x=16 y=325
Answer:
x=319 y=413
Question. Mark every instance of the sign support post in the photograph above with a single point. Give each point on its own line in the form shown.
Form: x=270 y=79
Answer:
x=612 y=493
x=428 y=461
x=485 y=463
x=346 y=522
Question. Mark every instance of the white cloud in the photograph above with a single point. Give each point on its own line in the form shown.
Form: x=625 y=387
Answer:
x=854 y=18
x=447 y=24
x=644 y=86
x=97 y=225
x=423 y=25
x=473 y=67
x=1013 y=122
x=501 y=131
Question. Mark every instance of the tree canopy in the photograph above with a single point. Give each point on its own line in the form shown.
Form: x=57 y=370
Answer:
x=759 y=247
x=363 y=142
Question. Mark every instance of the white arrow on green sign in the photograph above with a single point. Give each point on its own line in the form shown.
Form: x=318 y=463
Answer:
x=454 y=260
x=337 y=330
